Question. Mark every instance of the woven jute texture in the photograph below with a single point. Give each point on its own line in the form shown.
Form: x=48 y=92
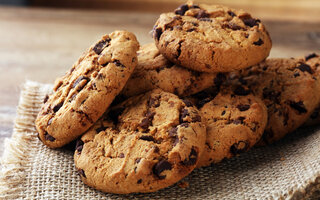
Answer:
x=289 y=169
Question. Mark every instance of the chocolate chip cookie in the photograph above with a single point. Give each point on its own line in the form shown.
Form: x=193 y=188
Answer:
x=146 y=143
x=155 y=71
x=211 y=38
x=289 y=88
x=235 y=123
x=84 y=93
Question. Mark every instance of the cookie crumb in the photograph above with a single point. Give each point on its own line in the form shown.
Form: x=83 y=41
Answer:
x=183 y=184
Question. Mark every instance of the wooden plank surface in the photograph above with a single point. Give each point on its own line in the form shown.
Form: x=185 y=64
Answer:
x=41 y=44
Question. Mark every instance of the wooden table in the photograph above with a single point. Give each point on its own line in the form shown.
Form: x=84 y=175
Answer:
x=41 y=44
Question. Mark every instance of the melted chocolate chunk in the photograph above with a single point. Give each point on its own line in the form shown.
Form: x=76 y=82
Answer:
x=296 y=74
x=161 y=166
x=202 y=14
x=147 y=121
x=46 y=98
x=79 y=80
x=147 y=138
x=183 y=114
x=186 y=125
x=232 y=14
x=241 y=91
x=313 y=55
x=57 y=107
x=157 y=33
x=298 y=106
x=101 y=45
x=305 y=68
x=250 y=21
x=81 y=173
x=223 y=112
x=79 y=146
x=49 y=137
x=259 y=42
x=194 y=6
x=192 y=159
x=181 y=9
x=239 y=120
x=240 y=147
x=139 y=181
x=118 y=64
x=232 y=26
x=243 y=107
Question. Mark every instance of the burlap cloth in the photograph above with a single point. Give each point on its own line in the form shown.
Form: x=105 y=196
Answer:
x=289 y=169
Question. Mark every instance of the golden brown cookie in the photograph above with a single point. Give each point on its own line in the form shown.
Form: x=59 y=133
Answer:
x=146 y=143
x=155 y=71
x=84 y=93
x=289 y=88
x=211 y=38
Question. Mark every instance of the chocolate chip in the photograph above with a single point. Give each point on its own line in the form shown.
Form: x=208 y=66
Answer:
x=147 y=121
x=183 y=114
x=250 y=21
x=296 y=74
x=181 y=9
x=241 y=91
x=154 y=102
x=147 y=138
x=205 y=19
x=192 y=159
x=259 y=42
x=173 y=132
x=118 y=64
x=232 y=14
x=187 y=102
x=79 y=80
x=240 y=147
x=139 y=181
x=176 y=141
x=311 y=56
x=50 y=121
x=223 y=112
x=202 y=14
x=81 y=173
x=114 y=114
x=304 y=67
x=299 y=106
x=102 y=128
x=161 y=166
x=194 y=6
x=243 y=107
x=157 y=33
x=79 y=146
x=57 y=107
x=232 y=26
x=49 y=137
x=121 y=155
x=46 y=98
x=156 y=149
x=101 y=45
x=196 y=118
x=239 y=120
x=191 y=30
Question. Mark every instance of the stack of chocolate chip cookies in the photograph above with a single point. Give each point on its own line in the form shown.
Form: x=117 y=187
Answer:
x=204 y=91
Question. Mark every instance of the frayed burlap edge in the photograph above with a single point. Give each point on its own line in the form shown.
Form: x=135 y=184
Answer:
x=18 y=150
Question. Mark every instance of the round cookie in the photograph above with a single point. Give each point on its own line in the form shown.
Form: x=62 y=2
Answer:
x=235 y=123
x=289 y=88
x=84 y=93
x=146 y=143
x=211 y=38
x=155 y=71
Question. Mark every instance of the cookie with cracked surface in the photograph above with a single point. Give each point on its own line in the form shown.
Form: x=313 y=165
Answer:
x=234 y=124
x=146 y=143
x=211 y=38
x=155 y=71
x=84 y=93
x=288 y=87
